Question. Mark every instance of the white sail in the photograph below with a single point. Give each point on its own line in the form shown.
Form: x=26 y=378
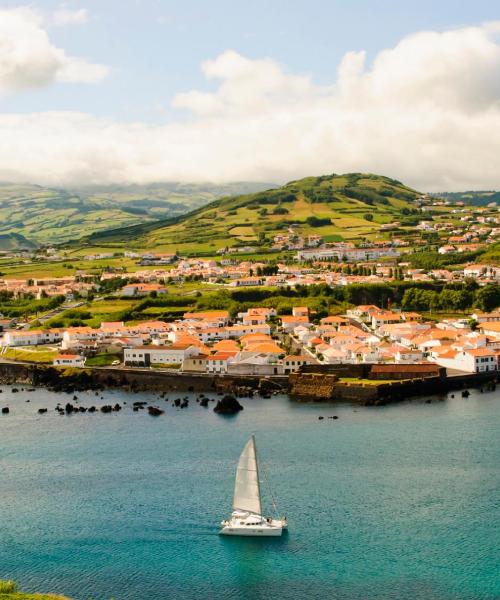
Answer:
x=246 y=487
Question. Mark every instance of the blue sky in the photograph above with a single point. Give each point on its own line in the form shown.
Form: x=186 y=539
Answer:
x=154 y=47
x=149 y=90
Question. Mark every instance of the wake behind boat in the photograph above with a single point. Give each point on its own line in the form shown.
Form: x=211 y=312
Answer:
x=246 y=518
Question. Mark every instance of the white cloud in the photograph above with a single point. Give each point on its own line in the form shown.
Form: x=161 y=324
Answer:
x=28 y=59
x=64 y=16
x=426 y=111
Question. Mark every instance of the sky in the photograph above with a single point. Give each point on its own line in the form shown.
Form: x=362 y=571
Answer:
x=138 y=91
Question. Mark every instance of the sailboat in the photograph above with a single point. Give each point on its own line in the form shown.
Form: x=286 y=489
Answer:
x=246 y=518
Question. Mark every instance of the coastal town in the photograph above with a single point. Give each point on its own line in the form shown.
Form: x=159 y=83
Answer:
x=258 y=341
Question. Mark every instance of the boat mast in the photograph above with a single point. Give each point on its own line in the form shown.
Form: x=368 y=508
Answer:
x=257 y=470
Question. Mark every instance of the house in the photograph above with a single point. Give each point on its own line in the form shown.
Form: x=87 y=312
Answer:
x=491 y=317
x=31 y=337
x=384 y=317
x=300 y=311
x=144 y=356
x=474 y=360
x=237 y=331
x=408 y=355
x=218 y=362
x=362 y=312
x=335 y=321
x=288 y=323
x=142 y=289
x=215 y=318
x=195 y=364
x=293 y=363
x=69 y=360
x=490 y=328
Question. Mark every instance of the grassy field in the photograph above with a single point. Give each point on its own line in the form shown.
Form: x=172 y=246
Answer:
x=37 y=354
x=101 y=360
x=93 y=313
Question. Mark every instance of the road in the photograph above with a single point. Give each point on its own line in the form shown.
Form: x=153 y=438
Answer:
x=53 y=313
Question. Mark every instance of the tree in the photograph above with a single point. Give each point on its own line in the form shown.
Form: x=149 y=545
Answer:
x=488 y=297
x=368 y=217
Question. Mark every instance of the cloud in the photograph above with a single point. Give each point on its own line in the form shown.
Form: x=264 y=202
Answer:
x=64 y=16
x=28 y=59
x=426 y=111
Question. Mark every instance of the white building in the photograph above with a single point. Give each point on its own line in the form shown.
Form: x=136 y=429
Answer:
x=69 y=360
x=144 y=356
x=476 y=360
x=31 y=338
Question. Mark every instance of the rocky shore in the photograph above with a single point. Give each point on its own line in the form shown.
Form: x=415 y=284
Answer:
x=360 y=384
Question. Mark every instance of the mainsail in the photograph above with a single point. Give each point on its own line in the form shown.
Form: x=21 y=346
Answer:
x=246 y=487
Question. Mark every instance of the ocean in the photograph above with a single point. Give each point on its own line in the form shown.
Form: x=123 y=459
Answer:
x=397 y=502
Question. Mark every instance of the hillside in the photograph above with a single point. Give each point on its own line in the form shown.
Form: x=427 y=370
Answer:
x=471 y=198
x=15 y=241
x=336 y=207
x=47 y=215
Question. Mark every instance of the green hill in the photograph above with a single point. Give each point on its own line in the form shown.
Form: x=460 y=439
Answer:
x=336 y=207
x=52 y=215
x=471 y=198
x=15 y=241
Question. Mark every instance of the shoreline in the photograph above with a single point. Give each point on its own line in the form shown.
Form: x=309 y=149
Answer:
x=315 y=384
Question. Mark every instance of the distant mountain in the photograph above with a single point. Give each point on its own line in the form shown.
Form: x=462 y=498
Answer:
x=471 y=198
x=15 y=241
x=335 y=207
x=54 y=215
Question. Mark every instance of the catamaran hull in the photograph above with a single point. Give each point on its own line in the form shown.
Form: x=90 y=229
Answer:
x=252 y=531
x=248 y=525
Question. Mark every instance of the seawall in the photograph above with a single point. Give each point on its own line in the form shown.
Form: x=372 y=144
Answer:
x=136 y=379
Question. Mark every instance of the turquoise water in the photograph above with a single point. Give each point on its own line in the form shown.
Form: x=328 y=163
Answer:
x=398 y=502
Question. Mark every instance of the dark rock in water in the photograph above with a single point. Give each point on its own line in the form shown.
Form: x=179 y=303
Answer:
x=42 y=411
x=69 y=408
x=5 y=410
x=117 y=407
x=204 y=402
x=106 y=408
x=136 y=409
x=465 y=394
x=140 y=403
x=14 y=390
x=334 y=417
x=184 y=404
x=154 y=411
x=453 y=395
x=177 y=402
x=27 y=400
x=82 y=409
x=92 y=409
x=228 y=405
x=320 y=418
x=428 y=401
x=75 y=397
